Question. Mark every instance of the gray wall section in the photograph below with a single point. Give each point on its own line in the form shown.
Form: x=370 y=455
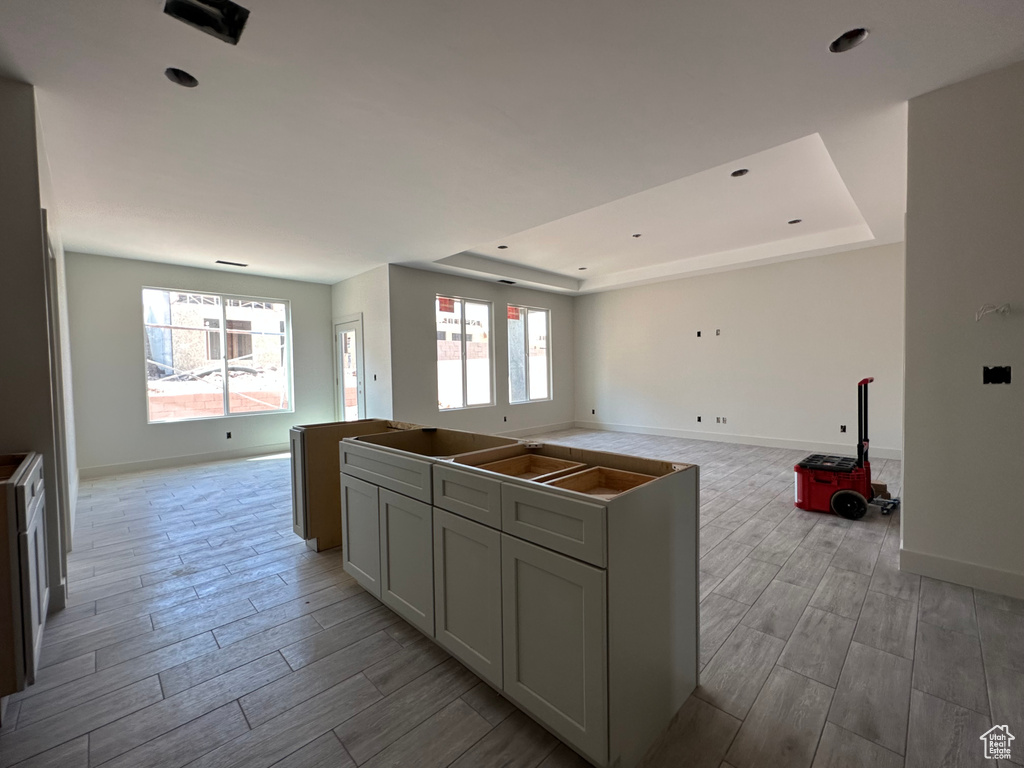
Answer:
x=105 y=301
x=964 y=441
x=26 y=412
x=367 y=295
x=414 y=353
x=796 y=337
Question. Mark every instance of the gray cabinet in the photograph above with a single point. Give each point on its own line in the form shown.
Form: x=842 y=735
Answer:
x=567 y=525
x=360 y=526
x=407 y=559
x=467 y=593
x=35 y=585
x=555 y=626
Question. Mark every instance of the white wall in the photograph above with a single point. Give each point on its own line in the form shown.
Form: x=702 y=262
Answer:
x=963 y=517
x=796 y=338
x=414 y=354
x=105 y=303
x=367 y=295
x=26 y=411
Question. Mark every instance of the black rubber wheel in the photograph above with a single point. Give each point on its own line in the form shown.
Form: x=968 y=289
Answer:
x=849 y=504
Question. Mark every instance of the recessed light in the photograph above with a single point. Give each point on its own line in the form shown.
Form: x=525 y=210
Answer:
x=180 y=77
x=794 y=221
x=849 y=40
x=740 y=172
x=231 y=263
x=507 y=282
x=637 y=235
x=582 y=268
x=502 y=247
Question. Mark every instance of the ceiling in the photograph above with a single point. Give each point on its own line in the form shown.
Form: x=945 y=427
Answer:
x=338 y=136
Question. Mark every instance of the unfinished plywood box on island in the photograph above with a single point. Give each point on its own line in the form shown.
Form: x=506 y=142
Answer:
x=565 y=578
x=316 y=495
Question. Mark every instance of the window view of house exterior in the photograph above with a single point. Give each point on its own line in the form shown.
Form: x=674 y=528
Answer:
x=529 y=359
x=209 y=355
x=463 y=353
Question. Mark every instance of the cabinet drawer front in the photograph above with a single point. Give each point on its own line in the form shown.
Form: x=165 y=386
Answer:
x=360 y=533
x=555 y=643
x=410 y=477
x=468 y=494
x=467 y=593
x=577 y=528
x=29 y=493
x=35 y=588
x=407 y=559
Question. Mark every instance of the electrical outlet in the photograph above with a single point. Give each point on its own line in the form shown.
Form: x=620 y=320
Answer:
x=842 y=427
x=724 y=420
x=506 y=418
x=718 y=419
x=718 y=331
x=698 y=419
x=593 y=412
x=229 y=436
x=375 y=377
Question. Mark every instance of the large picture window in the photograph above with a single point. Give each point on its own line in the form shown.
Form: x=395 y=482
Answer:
x=210 y=355
x=529 y=356
x=463 y=353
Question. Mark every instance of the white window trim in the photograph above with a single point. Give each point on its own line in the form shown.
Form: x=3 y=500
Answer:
x=465 y=359
x=526 y=354
x=224 y=298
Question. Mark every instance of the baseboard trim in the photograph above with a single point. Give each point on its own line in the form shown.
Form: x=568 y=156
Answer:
x=539 y=429
x=960 y=572
x=718 y=437
x=109 y=470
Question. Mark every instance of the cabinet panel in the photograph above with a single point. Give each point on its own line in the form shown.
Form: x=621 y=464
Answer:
x=576 y=528
x=300 y=524
x=467 y=588
x=360 y=524
x=35 y=586
x=468 y=494
x=406 y=559
x=555 y=643
x=403 y=474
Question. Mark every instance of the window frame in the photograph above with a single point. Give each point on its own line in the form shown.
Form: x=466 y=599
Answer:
x=222 y=335
x=492 y=402
x=525 y=310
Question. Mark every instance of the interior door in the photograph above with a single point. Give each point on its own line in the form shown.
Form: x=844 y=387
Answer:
x=348 y=350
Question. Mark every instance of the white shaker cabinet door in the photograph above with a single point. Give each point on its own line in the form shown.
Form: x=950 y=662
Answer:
x=555 y=643
x=467 y=588
x=360 y=533
x=407 y=559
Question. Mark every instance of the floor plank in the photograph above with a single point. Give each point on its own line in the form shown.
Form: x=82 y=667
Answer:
x=872 y=696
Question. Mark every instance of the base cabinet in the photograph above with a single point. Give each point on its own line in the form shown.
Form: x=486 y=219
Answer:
x=360 y=525
x=555 y=643
x=467 y=593
x=407 y=559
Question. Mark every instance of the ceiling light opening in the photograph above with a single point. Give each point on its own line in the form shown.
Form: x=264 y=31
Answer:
x=637 y=235
x=740 y=172
x=849 y=40
x=219 y=18
x=582 y=269
x=507 y=282
x=180 y=77
x=231 y=263
x=794 y=221
x=502 y=247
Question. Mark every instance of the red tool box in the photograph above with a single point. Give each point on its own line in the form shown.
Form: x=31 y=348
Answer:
x=838 y=483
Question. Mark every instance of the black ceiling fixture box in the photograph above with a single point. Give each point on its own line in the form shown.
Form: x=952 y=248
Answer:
x=221 y=18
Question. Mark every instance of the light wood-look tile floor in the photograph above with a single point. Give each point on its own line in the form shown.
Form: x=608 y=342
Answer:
x=200 y=631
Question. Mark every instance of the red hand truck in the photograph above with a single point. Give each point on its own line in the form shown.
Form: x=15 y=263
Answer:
x=838 y=483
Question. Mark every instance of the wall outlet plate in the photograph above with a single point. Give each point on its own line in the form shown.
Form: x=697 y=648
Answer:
x=996 y=374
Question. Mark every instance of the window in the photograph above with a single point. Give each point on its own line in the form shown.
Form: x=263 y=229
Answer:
x=464 y=362
x=209 y=355
x=529 y=356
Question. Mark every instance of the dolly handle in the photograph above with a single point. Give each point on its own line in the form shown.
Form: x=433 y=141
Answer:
x=865 y=382
x=862 y=420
